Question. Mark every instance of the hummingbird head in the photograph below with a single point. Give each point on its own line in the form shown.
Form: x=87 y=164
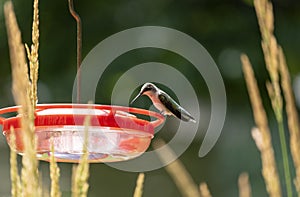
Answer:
x=147 y=89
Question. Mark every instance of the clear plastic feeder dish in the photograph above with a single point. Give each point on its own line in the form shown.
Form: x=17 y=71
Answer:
x=115 y=132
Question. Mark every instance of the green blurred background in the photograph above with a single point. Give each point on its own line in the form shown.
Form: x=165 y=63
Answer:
x=225 y=28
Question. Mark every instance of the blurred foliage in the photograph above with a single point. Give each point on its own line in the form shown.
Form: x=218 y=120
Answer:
x=224 y=28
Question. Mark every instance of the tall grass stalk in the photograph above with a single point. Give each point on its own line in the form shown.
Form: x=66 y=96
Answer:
x=80 y=181
x=29 y=160
x=25 y=94
x=138 y=192
x=33 y=55
x=16 y=189
x=244 y=185
x=204 y=191
x=292 y=116
x=21 y=92
x=271 y=50
x=54 y=174
x=262 y=135
x=176 y=170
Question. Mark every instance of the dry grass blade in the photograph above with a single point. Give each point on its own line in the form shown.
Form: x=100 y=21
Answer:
x=17 y=55
x=269 y=169
x=21 y=92
x=16 y=189
x=33 y=54
x=74 y=170
x=176 y=170
x=80 y=180
x=265 y=17
x=138 y=192
x=271 y=49
x=292 y=116
x=54 y=174
x=244 y=185
x=204 y=191
x=45 y=193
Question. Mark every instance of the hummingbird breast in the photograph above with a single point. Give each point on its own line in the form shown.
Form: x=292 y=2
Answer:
x=157 y=103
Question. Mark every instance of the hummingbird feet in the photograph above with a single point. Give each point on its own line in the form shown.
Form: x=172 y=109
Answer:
x=162 y=113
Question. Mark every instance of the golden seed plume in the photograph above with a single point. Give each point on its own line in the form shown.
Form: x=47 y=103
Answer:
x=33 y=54
x=263 y=141
x=244 y=185
x=204 y=191
x=16 y=189
x=54 y=174
x=271 y=50
x=176 y=170
x=292 y=116
x=21 y=93
x=81 y=172
x=138 y=192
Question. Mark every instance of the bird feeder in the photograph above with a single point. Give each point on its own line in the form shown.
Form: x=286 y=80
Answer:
x=115 y=133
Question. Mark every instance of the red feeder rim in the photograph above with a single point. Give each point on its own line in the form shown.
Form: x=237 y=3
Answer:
x=110 y=116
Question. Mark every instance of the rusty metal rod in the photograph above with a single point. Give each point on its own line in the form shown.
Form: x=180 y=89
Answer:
x=79 y=45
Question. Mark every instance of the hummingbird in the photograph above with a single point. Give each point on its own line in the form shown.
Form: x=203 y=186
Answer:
x=164 y=103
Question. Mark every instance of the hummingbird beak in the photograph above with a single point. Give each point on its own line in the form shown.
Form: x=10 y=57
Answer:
x=135 y=98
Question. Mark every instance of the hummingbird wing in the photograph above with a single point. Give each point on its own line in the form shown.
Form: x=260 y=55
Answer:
x=175 y=108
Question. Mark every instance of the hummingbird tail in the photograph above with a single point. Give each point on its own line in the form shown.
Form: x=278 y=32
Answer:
x=192 y=120
x=185 y=116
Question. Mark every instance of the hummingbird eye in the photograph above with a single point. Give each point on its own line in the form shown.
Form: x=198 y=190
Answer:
x=148 y=88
